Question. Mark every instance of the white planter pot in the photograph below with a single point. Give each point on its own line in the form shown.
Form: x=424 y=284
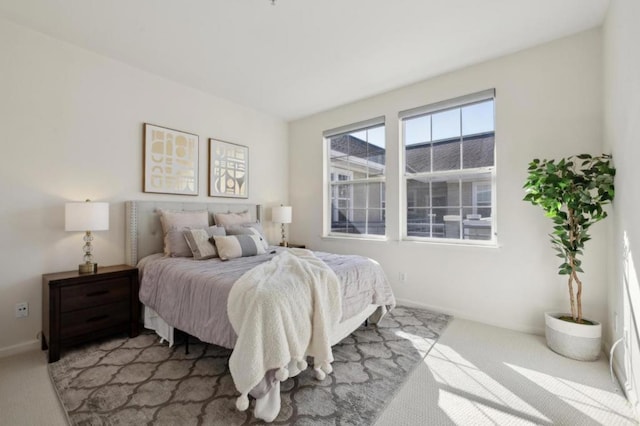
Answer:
x=576 y=341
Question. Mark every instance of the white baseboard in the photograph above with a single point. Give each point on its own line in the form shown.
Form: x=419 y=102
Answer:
x=463 y=315
x=618 y=371
x=621 y=376
x=20 y=348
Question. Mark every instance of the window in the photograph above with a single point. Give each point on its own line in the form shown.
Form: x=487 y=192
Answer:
x=449 y=169
x=356 y=171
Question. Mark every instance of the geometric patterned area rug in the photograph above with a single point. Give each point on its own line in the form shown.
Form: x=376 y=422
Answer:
x=134 y=381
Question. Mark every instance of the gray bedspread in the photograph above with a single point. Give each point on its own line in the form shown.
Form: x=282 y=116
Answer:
x=191 y=295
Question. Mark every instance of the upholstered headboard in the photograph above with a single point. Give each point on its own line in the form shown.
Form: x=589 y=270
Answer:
x=144 y=231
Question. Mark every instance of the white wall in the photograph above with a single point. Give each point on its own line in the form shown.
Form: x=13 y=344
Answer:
x=622 y=136
x=548 y=104
x=71 y=128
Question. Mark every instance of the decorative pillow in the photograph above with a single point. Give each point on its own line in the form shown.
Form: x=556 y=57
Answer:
x=233 y=246
x=254 y=228
x=174 y=223
x=229 y=219
x=198 y=241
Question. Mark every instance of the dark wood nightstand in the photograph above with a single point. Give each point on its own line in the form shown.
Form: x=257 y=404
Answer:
x=291 y=245
x=81 y=307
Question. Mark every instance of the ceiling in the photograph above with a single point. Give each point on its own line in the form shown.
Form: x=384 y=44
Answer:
x=299 y=57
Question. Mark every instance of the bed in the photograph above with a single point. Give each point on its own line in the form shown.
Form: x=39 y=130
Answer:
x=177 y=292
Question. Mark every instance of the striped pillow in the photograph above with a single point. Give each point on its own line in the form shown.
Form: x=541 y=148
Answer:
x=233 y=246
x=254 y=228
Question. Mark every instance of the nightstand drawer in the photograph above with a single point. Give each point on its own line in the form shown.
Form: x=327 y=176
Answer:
x=94 y=294
x=89 y=320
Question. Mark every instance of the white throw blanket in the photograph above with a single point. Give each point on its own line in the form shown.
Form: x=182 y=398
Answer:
x=282 y=311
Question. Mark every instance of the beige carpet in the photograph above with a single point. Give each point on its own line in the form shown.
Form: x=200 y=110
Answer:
x=482 y=375
x=462 y=394
x=27 y=396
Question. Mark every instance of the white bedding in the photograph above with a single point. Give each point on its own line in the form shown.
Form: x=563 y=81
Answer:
x=283 y=311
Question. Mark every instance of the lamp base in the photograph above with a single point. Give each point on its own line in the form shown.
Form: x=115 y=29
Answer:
x=284 y=243
x=88 y=268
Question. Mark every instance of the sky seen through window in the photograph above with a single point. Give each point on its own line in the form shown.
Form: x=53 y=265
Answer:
x=468 y=120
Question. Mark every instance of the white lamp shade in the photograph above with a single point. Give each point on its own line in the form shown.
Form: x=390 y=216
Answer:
x=86 y=216
x=281 y=214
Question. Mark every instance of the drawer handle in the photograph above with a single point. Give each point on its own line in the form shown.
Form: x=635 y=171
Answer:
x=97 y=293
x=98 y=318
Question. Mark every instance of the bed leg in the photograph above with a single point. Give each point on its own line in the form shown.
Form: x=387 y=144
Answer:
x=366 y=322
x=186 y=343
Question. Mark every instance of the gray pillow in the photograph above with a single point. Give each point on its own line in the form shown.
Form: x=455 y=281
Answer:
x=174 y=223
x=199 y=242
x=229 y=219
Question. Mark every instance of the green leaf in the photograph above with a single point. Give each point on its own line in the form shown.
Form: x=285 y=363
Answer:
x=573 y=195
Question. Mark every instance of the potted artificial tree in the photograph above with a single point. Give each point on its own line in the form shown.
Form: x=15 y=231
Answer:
x=572 y=192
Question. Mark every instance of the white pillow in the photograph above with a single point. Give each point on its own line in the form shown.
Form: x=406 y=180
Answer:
x=233 y=246
x=200 y=241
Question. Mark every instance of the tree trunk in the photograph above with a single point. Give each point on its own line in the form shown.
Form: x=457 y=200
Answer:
x=573 y=275
x=578 y=296
x=572 y=298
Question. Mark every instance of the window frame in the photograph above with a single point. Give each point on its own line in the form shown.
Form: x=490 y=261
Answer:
x=329 y=185
x=434 y=108
x=334 y=192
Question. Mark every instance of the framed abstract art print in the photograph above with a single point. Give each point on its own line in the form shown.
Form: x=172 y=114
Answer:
x=170 y=161
x=228 y=169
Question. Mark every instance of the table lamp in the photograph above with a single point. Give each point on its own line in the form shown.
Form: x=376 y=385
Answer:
x=86 y=217
x=282 y=215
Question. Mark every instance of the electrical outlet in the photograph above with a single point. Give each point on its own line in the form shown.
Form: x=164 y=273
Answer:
x=22 y=310
x=403 y=277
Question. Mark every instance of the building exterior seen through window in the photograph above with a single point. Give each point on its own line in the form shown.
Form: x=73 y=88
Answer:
x=449 y=170
x=357 y=181
x=448 y=179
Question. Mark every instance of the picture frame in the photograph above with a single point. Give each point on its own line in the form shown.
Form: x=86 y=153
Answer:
x=170 y=161
x=228 y=169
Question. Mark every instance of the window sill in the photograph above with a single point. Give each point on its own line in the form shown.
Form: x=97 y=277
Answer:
x=333 y=237
x=451 y=242
x=417 y=241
